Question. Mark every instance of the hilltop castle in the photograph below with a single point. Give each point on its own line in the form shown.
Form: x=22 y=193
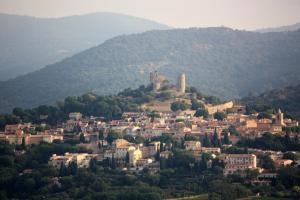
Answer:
x=158 y=81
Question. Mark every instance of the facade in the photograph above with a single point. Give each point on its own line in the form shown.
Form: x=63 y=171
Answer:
x=215 y=150
x=121 y=152
x=192 y=145
x=75 y=116
x=238 y=162
x=29 y=139
x=118 y=143
x=134 y=155
x=81 y=159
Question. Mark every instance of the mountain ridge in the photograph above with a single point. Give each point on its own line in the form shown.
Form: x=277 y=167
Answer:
x=292 y=27
x=37 y=42
x=219 y=61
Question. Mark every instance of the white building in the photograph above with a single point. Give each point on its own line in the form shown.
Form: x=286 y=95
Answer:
x=81 y=159
x=238 y=162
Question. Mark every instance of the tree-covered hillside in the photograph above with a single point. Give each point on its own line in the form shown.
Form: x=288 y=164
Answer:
x=287 y=99
x=219 y=61
x=29 y=43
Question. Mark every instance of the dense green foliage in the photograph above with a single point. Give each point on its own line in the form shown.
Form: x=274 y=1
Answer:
x=71 y=183
x=196 y=104
x=201 y=113
x=45 y=41
x=175 y=106
x=107 y=107
x=27 y=176
x=287 y=99
x=219 y=61
x=219 y=116
x=271 y=142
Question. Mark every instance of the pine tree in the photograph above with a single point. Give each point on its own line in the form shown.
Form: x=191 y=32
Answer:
x=287 y=139
x=93 y=165
x=81 y=138
x=72 y=168
x=127 y=158
x=62 y=170
x=206 y=141
x=216 y=141
x=226 y=138
x=23 y=145
x=296 y=139
x=101 y=137
x=101 y=134
x=113 y=163
x=163 y=163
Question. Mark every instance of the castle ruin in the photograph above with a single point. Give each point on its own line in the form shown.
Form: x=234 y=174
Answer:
x=158 y=81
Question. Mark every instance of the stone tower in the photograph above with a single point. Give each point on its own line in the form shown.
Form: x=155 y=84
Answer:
x=279 y=118
x=157 y=81
x=181 y=83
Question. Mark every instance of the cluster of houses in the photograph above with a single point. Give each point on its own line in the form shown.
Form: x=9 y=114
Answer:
x=150 y=126
x=22 y=133
x=142 y=124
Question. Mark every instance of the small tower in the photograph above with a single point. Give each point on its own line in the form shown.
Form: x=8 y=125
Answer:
x=279 y=118
x=181 y=83
x=153 y=80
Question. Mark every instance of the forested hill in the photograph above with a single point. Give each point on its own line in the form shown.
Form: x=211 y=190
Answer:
x=287 y=99
x=29 y=43
x=218 y=61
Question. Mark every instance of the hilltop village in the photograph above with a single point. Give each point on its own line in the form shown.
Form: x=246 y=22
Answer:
x=187 y=131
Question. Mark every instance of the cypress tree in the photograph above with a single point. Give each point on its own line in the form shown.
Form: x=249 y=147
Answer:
x=216 y=141
x=23 y=145
x=206 y=141
x=226 y=138
x=81 y=138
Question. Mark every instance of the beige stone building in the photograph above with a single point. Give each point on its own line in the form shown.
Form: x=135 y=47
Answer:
x=192 y=145
x=81 y=159
x=235 y=163
x=134 y=155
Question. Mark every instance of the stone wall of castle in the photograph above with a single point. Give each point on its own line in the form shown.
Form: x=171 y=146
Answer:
x=219 y=108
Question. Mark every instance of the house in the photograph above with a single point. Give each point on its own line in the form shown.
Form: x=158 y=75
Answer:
x=120 y=143
x=134 y=155
x=192 y=145
x=215 y=150
x=165 y=154
x=81 y=159
x=283 y=162
x=75 y=116
x=238 y=162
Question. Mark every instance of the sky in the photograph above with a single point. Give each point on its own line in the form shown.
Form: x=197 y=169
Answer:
x=240 y=14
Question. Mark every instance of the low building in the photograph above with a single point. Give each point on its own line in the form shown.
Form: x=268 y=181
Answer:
x=283 y=162
x=235 y=163
x=120 y=143
x=75 y=116
x=215 y=150
x=81 y=159
x=134 y=155
x=192 y=145
x=165 y=154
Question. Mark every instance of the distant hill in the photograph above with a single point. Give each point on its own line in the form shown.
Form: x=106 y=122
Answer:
x=29 y=43
x=218 y=61
x=287 y=99
x=293 y=27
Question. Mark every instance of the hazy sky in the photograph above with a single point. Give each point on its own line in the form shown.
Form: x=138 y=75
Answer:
x=242 y=14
